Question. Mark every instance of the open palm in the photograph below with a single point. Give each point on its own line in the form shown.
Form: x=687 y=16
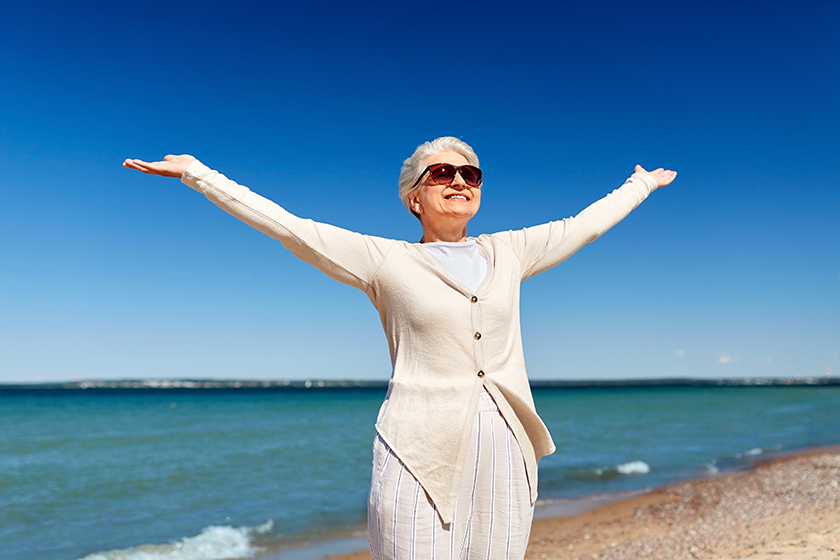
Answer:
x=663 y=176
x=171 y=166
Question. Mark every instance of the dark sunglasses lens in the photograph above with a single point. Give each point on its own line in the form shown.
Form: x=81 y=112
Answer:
x=443 y=173
x=471 y=175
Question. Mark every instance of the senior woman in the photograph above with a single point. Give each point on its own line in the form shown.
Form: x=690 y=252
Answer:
x=457 y=438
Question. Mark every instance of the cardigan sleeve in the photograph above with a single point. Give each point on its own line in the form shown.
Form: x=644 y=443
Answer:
x=349 y=257
x=542 y=247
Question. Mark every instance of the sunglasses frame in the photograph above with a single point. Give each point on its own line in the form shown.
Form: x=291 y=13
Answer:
x=457 y=168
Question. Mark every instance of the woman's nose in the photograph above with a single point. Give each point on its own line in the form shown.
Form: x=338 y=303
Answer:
x=458 y=181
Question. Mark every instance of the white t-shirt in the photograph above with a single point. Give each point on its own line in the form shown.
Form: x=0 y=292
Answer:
x=461 y=260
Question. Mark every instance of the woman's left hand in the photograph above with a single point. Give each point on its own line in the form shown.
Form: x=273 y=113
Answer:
x=663 y=176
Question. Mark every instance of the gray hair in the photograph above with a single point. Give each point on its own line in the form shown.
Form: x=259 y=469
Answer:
x=413 y=167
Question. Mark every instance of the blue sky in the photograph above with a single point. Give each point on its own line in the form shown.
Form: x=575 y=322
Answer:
x=732 y=271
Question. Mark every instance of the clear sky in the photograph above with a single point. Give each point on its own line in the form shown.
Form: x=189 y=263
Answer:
x=732 y=271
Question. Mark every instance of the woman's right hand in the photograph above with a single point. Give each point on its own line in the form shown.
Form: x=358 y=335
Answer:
x=171 y=166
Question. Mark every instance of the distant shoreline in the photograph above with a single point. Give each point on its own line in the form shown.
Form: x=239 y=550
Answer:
x=95 y=385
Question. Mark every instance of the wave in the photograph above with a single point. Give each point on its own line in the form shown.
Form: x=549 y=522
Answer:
x=216 y=542
x=738 y=460
x=750 y=453
x=632 y=467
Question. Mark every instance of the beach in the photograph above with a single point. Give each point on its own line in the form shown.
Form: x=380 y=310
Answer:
x=784 y=507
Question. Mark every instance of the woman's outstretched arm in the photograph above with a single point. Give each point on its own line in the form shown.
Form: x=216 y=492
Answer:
x=347 y=256
x=541 y=247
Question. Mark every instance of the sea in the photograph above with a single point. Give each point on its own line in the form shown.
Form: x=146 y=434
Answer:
x=224 y=473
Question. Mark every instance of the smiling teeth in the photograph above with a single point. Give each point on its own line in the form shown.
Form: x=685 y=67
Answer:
x=458 y=196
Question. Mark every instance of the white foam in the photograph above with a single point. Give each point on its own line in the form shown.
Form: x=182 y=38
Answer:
x=633 y=467
x=754 y=451
x=216 y=542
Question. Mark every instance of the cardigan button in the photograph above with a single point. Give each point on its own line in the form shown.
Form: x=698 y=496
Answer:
x=473 y=299
x=477 y=335
x=481 y=373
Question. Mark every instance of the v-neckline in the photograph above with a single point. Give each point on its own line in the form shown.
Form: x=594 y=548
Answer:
x=488 y=276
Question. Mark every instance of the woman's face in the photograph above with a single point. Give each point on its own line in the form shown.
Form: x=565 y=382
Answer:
x=449 y=202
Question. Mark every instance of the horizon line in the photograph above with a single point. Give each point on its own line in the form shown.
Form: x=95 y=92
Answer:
x=279 y=384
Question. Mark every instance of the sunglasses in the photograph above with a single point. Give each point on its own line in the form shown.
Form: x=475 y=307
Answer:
x=444 y=173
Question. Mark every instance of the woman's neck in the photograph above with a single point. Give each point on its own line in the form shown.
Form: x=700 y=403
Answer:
x=453 y=235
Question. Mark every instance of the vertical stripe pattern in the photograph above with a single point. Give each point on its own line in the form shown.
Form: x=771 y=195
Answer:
x=493 y=512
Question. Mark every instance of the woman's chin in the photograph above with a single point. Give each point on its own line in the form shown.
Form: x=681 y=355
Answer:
x=464 y=211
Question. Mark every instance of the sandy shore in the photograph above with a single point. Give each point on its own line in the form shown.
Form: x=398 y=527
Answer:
x=787 y=507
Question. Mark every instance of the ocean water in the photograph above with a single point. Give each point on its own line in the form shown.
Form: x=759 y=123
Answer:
x=208 y=474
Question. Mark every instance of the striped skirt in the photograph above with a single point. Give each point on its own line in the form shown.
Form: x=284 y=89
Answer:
x=493 y=511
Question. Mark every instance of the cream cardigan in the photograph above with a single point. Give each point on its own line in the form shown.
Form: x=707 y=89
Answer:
x=446 y=341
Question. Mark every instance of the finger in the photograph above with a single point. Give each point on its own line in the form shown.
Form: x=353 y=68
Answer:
x=150 y=168
x=134 y=164
x=640 y=169
x=143 y=166
x=667 y=178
